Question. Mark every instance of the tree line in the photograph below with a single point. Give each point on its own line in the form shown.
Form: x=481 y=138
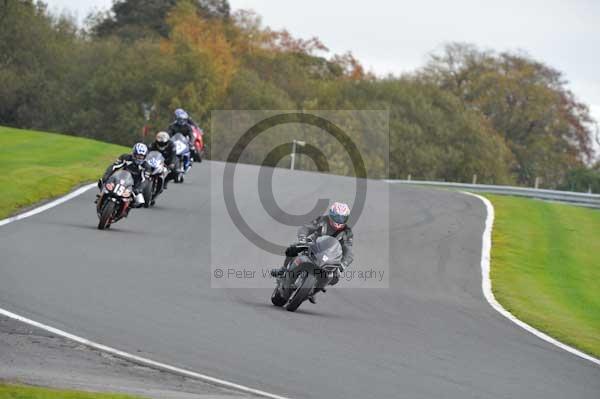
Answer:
x=504 y=117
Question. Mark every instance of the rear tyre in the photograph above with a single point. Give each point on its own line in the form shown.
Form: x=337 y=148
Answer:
x=155 y=191
x=302 y=293
x=277 y=299
x=106 y=215
x=147 y=192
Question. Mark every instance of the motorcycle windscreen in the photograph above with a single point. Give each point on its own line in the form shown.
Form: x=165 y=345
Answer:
x=181 y=143
x=156 y=155
x=155 y=159
x=122 y=177
x=327 y=251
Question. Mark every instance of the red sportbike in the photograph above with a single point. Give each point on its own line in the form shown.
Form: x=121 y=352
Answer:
x=198 y=143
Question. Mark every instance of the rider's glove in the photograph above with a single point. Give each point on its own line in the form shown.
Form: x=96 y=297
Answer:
x=302 y=239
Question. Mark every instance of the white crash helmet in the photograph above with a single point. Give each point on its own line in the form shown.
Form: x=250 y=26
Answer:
x=162 y=137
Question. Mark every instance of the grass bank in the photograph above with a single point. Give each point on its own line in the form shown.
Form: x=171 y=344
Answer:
x=8 y=391
x=546 y=267
x=37 y=166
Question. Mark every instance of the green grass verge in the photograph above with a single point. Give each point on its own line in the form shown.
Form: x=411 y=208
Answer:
x=37 y=165
x=23 y=392
x=546 y=268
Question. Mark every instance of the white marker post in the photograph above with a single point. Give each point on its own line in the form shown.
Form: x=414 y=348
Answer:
x=294 y=143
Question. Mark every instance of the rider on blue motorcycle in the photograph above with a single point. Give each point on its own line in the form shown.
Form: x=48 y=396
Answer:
x=183 y=124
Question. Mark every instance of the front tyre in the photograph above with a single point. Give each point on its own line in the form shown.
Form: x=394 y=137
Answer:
x=107 y=213
x=301 y=293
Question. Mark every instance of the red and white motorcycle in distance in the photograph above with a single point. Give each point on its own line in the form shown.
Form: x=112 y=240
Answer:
x=198 y=144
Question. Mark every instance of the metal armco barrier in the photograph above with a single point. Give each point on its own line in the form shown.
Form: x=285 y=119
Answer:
x=582 y=199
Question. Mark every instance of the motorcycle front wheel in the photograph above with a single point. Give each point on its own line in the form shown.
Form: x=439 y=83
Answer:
x=301 y=293
x=107 y=212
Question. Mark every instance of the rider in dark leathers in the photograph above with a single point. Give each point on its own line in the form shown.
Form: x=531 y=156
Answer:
x=333 y=224
x=183 y=124
x=166 y=147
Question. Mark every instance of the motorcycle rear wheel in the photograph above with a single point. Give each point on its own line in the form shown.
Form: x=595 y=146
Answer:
x=277 y=299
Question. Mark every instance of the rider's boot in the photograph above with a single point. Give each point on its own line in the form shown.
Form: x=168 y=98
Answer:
x=312 y=297
x=278 y=272
x=138 y=201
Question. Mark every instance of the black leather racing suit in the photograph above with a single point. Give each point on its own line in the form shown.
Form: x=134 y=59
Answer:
x=185 y=129
x=167 y=150
x=169 y=153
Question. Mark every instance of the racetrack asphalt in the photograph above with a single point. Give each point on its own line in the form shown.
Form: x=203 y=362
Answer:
x=144 y=286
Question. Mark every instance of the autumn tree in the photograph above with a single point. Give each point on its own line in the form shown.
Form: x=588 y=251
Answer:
x=200 y=48
x=134 y=19
x=502 y=116
x=545 y=126
x=36 y=49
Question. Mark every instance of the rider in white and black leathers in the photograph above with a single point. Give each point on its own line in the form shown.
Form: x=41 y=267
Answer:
x=134 y=164
x=333 y=224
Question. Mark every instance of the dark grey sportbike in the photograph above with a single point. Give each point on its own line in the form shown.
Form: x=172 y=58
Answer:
x=313 y=268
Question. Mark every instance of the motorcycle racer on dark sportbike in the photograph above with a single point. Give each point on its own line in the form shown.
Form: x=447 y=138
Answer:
x=157 y=176
x=333 y=224
x=114 y=201
x=134 y=164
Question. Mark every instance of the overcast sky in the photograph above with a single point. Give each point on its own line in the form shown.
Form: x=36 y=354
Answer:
x=396 y=36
